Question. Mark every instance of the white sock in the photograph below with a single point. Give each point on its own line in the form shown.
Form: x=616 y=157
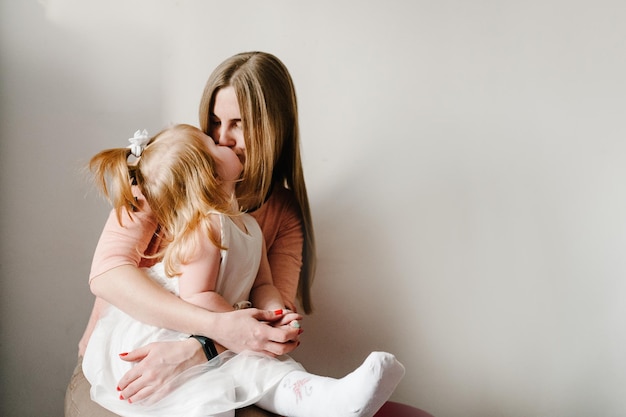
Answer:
x=358 y=394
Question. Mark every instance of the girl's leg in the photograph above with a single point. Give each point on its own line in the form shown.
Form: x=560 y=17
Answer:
x=358 y=394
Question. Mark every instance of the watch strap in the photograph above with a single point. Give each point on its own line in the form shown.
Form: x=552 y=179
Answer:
x=207 y=346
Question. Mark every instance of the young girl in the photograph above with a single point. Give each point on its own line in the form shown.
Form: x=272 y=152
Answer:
x=210 y=255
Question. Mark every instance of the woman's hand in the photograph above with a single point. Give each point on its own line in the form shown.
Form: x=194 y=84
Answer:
x=269 y=332
x=262 y=331
x=156 y=364
x=292 y=321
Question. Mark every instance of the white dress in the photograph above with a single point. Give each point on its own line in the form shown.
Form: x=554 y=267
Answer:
x=216 y=388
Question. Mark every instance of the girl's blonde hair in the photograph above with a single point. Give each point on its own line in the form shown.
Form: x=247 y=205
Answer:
x=177 y=176
x=269 y=115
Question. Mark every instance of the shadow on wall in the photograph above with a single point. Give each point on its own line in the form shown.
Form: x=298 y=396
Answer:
x=357 y=285
x=66 y=94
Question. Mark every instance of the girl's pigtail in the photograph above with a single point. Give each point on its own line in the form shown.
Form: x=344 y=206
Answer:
x=113 y=176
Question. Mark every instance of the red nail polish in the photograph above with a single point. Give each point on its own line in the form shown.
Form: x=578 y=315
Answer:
x=121 y=397
x=278 y=312
x=130 y=401
x=118 y=388
x=124 y=354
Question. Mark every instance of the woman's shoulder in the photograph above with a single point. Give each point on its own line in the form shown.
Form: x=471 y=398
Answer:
x=281 y=199
x=279 y=209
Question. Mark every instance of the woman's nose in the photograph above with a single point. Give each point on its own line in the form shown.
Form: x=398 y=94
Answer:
x=225 y=138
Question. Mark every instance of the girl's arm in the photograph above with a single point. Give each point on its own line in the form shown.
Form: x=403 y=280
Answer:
x=198 y=275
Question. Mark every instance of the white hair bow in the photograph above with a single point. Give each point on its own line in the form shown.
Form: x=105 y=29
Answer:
x=138 y=142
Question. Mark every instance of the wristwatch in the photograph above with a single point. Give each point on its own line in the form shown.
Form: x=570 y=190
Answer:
x=207 y=346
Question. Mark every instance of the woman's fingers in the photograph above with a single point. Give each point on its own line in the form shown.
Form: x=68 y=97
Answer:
x=156 y=364
x=278 y=349
x=291 y=318
x=142 y=381
x=266 y=315
x=130 y=376
x=137 y=391
x=127 y=386
x=135 y=355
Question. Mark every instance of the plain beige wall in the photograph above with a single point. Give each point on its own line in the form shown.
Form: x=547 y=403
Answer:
x=465 y=163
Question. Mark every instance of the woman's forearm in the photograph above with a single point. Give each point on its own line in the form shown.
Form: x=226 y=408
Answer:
x=209 y=300
x=266 y=297
x=132 y=291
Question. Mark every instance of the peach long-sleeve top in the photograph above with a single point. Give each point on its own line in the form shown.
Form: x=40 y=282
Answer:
x=136 y=238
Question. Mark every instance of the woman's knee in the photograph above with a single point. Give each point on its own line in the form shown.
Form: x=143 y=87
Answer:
x=77 y=399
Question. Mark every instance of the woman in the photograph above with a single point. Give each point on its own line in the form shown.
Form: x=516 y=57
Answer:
x=249 y=104
x=212 y=256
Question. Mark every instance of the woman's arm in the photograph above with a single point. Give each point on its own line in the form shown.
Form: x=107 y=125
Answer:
x=117 y=279
x=116 y=276
x=98 y=305
x=264 y=294
x=120 y=245
x=281 y=223
x=158 y=362
x=130 y=290
x=127 y=241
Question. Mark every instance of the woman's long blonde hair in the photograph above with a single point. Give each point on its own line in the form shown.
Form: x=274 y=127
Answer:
x=177 y=176
x=269 y=113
